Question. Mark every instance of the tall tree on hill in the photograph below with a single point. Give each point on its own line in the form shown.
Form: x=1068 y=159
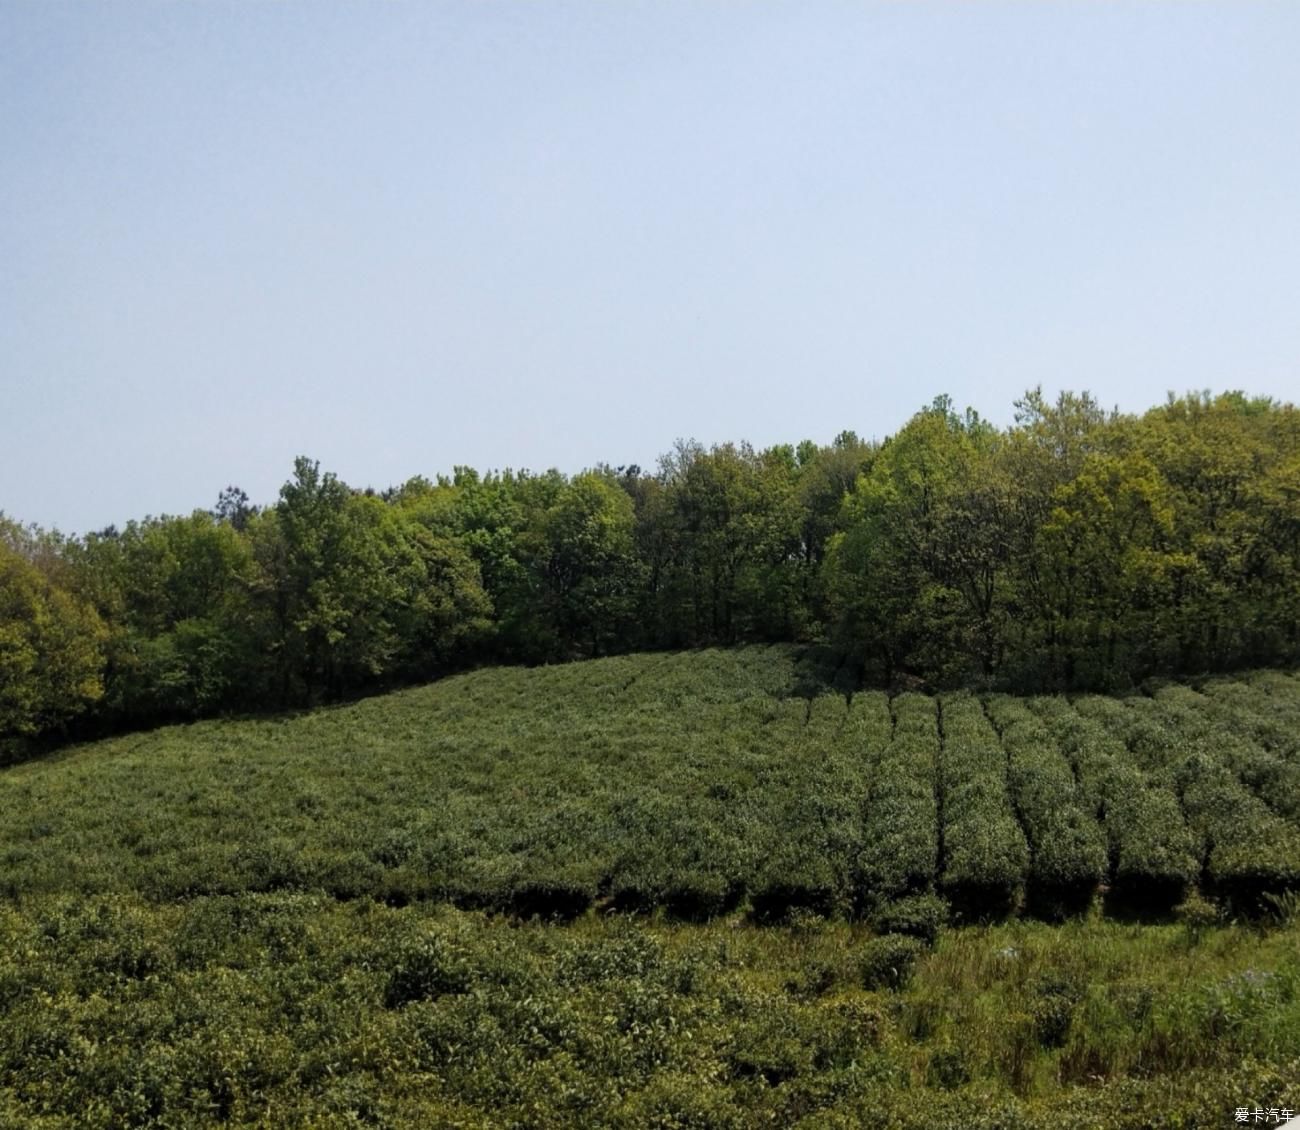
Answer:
x=179 y=640
x=1109 y=567
x=1038 y=457
x=444 y=615
x=51 y=657
x=321 y=575
x=234 y=508
x=589 y=568
x=912 y=597
x=356 y=590
x=1215 y=453
x=733 y=518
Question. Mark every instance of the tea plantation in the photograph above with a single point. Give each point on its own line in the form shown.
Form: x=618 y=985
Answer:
x=680 y=890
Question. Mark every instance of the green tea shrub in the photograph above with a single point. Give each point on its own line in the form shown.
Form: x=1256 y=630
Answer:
x=226 y=1069
x=682 y=1102
x=1200 y=720
x=985 y=853
x=555 y=896
x=1052 y=1009
x=396 y=846
x=919 y=916
x=947 y=1068
x=868 y=726
x=1152 y=852
x=136 y=1086
x=696 y=894
x=1067 y=845
x=625 y=953
x=770 y=1051
x=887 y=961
x=346 y=875
x=816 y=978
x=1252 y=851
x=799 y=877
x=1197 y=915
x=817 y=825
x=675 y=853
x=427 y=968
x=1143 y=732
x=272 y=864
x=900 y=838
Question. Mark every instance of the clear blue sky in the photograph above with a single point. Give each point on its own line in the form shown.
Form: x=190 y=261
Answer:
x=402 y=236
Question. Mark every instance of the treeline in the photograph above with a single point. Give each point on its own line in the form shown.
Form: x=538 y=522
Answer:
x=1076 y=549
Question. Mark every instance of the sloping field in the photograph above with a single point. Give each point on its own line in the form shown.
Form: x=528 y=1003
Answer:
x=346 y=917
x=694 y=782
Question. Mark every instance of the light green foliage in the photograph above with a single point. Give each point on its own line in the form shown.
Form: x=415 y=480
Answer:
x=51 y=644
x=1105 y=564
x=352 y=590
x=175 y=591
x=910 y=575
x=335 y=567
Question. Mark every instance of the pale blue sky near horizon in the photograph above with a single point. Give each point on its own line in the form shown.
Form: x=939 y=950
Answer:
x=399 y=237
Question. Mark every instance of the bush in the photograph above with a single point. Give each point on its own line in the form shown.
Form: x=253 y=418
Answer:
x=697 y=895
x=815 y=979
x=986 y=856
x=794 y=881
x=555 y=896
x=1067 y=844
x=428 y=968
x=269 y=865
x=918 y=916
x=900 y=839
x=1252 y=851
x=770 y=1051
x=887 y=961
x=947 y=1068
x=1199 y=720
x=1197 y=914
x=1152 y=854
x=682 y=1102
x=1052 y=1010
x=807 y=865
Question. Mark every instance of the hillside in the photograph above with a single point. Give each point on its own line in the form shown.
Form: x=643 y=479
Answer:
x=691 y=781
x=349 y=916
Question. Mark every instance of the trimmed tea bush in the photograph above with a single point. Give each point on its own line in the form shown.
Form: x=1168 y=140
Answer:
x=1152 y=852
x=1067 y=845
x=900 y=837
x=918 y=916
x=985 y=853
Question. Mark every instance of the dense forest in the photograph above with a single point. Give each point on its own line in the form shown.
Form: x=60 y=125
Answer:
x=1076 y=549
